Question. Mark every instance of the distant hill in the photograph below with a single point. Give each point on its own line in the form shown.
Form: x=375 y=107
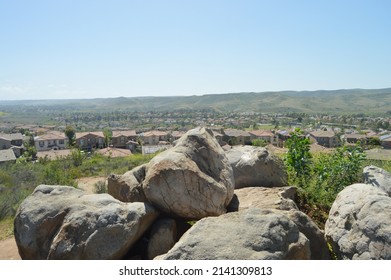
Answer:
x=368 y=101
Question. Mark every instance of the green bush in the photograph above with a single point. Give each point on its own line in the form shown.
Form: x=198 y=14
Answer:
x=100 y=187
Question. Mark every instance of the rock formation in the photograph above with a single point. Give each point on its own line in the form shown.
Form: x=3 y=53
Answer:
x=359 y=225
x=60 y=222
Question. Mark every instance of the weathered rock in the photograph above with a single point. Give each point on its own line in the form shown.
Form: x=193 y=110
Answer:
x=245 y=235
x=191 y=180
x=127 y=187
x=281 y=198
x=378 y=177
x=318 y=244
x=266 y=198
x=359 y=224
x=163 y=237
x=255 y=166
x=60 y=222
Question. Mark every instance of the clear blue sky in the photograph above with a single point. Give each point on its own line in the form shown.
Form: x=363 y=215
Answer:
x=86 y=49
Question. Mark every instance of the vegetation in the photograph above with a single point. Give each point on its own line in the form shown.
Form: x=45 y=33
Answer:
x=100 y=187
x=18 y=180
x=320 y=178
x=259 y=143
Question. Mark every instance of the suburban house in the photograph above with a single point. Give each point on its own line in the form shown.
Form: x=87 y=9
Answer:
x=120 y=139
x=5 y=143
x=267 y=136
x=154 y=137
x=236 y=137
x=282 y=136
x=385 y=141
x=177 y=134
x=52 y=140
x=7 y=156
x=12 y=141
x=90 y=140
x=325 y=138
x=354 y=138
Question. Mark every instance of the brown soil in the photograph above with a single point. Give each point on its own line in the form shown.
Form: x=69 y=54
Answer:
x=9 y=250
x=87 y=184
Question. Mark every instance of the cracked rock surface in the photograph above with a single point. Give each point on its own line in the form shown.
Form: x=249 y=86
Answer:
x=192 y=180
x=378 y=177
x=251 y=234
x=60 y=222
x=359 y=223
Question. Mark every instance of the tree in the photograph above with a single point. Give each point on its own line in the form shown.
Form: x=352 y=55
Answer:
x=71 y=134
x=299 y=158
x=108 y=134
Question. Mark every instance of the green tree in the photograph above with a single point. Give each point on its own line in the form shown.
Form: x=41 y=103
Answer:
x=298 y=158
x=71 y=134
x=108 y=134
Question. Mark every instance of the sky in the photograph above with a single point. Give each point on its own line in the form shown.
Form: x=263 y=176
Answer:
x=91 y=49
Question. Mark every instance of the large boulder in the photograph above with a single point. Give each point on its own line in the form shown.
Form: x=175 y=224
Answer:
x=127 y=187
x=60 y=222
x=282 y=198
x=359 y=224
x=251 y=234
x=255 y=166
x=378 y=177
x=191 y=180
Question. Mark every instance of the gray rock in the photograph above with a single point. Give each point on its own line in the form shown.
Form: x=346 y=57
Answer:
x=163 y=237
x=318 y=244
x=359 y=224
x=251 y=234
x=378 y=177
x=255 y=166
x=281 y=198
x=266 y=198
x=191 y=180
x=127 y=187
x=60 y=222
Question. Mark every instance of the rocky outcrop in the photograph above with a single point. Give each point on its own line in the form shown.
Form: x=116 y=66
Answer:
x=255 y=166
x=359 y=225
x=378 y=177
x=127 y=187
x=191 y=180
x=251 y=234
x=60 y=222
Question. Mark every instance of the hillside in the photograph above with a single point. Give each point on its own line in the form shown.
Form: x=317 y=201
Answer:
x=369 y=101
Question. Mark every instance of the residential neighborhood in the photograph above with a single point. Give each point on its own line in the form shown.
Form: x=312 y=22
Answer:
x=126 y=142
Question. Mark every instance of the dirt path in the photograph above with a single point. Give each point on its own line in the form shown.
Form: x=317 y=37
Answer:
x=9 y=250
x=87 y=183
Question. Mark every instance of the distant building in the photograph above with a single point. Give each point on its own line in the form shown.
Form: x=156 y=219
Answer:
x=121 y=138
x=385 y=141
x=154 y=137
x=7 y=156
x=325 y=138
x=264 y=135
x=90 y=140
x=12 y=141
x=354 y=138
x=52 y=140
x=237 y=137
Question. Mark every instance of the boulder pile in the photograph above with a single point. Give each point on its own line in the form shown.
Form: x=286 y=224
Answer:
x=193 y=201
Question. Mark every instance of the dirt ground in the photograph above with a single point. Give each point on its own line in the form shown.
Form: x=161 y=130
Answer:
x=8 y=248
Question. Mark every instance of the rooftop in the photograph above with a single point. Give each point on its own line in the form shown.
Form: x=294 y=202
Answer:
x=126 y=133
x=7 y=155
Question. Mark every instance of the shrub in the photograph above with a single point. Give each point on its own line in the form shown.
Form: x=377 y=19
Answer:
x=100 y=187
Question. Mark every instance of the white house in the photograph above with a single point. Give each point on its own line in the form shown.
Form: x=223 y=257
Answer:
x=52 y=140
